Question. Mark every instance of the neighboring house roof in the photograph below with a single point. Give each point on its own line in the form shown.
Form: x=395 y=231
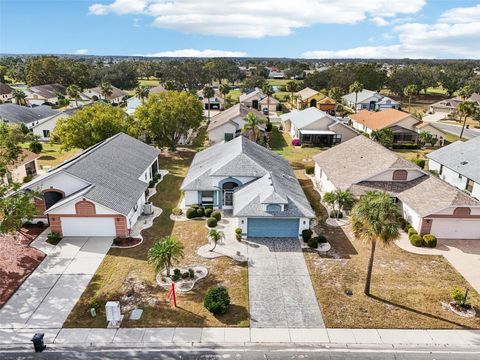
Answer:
x=217 y=96
x=275 y=181
x=306 y=93
x=272 y=100
x=376 y=120
x=361 y=96
x=387 y=101
x=157 y=89
x=461 y=157
x=232 y=113
x=452 y=103
x=17 y=114
x=65 y=113
x=116 y=92
x=5 y=89
x=24 y=158
x=254 y=93
x=112 y=169
x=308 y=116
x=48 y=91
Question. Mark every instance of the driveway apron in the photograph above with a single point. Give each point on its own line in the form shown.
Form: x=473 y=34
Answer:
x=281 y=294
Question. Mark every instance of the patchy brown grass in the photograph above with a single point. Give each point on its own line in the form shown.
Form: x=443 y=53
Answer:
x=127 y=271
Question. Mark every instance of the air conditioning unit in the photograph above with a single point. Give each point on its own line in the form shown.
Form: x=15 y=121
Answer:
x=148 y=208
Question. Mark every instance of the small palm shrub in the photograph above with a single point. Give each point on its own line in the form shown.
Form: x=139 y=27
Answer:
x=199 y=212
x=416 y=240
x=307 y=235
x=429 y=240
x=336 y=214
x=191 y=213
x=53 y=238
x=411 y=231
x=313 y=243
x=269 y=127
x=177 y=211
x=211 y=222
x=217 y=215
x=217 y=300
x=208 y=212
x=459 y=297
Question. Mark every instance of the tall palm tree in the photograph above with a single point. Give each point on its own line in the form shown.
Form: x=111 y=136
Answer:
x=465 y=92
x=465 y=110
x=73 y=92
x=215 y=236
x=375 y=218
x=409 y=91
x=19 y=97
x=252 y=123
x=291 y=86
x=106 y=89
x=344 y=200
x=224 y=90
x=142 y=92
x=208 y=93
x=164 y=253
x=356 y=87
x=268 y=90
x=335 y=93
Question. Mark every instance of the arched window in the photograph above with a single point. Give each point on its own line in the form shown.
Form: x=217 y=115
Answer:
x=400 y=175
x=462 y=211
x=85 y=208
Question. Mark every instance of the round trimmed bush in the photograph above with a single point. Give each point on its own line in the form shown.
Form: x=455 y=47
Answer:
x=310 y=170
x=407 y=227
x=238 y=231
x=199 y=212
x=208 y=212
x=217 y=215
x=429 y=240
x=177 y=211
x=191 y=213
x=211 y=222
x=411 y=231
x=307 y=235
x=313 y=243
x=195 y=206
x=321 y=239
x=416 y=240
x=217 y=300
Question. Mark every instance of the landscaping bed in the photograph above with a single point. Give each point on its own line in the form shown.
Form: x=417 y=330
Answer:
x=128 y=242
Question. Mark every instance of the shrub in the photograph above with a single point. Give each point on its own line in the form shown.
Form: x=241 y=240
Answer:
x=35 y=147
x=191 y=213
x=307 y=235
x=313 y=243
x=407 y=227
x=217 y=215
x=238 y=237
x=217 y=300
x=151 y=184
x=27 y=178
x=117 y=241
x=334 y=214
x=296 y=142
x=191 y=273
x=416 y=240
x=269 y=127
x=429 y=240
x=309 y=169
x=411 y=231
x=238 y=231
x=322 y=239
x=53 y=238
x=177 y=272
x=199 y=212
x=208 y=212
x=185 y=275
x=420 y=162
x=458 y=296
x=402 y=223
x=211 y=222
x=177 y=211
x=175 y=277
x=195 y=206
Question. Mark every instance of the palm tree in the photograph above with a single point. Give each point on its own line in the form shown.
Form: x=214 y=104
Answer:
x=268 y=90
x=465 y=92
x=291 y=86
x=252 y=123
x=465 y=110
x=19 y=97
x=106 y=89
x=164 y=253
x=374 y=218
x=142 y=92
x=409 y=91
x=215 y=236
x=344 y=200
x=335 y=93
x=330 y=199
x=208 y=93
x=356 y=87
x=224 y=90
x=73 y=92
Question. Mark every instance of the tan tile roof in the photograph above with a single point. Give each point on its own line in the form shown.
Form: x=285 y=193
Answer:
x=376 y=120
x=306 y=93
x=231 y=113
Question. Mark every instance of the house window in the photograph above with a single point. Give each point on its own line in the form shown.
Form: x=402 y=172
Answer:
x=400 y=175
x=274 y=208
x=469 y=186
x=46 y=133
x=207 y=197
x=364 y=106
x=228 y=136
x=441 y=170
x=460 y=176
x=307 y=138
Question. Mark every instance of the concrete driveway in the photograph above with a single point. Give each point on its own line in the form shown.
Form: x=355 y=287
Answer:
x=46 y=298
x=281 y=294
x=456 y=129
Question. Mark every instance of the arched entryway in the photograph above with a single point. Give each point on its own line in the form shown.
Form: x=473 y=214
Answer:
x=227 y=189
x=51 y=197
x=313 y=103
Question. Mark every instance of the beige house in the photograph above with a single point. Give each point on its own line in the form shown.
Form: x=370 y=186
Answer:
x=24 y=168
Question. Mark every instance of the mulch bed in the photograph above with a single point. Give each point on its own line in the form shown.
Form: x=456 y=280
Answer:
x=126 y=242
x=17 y=260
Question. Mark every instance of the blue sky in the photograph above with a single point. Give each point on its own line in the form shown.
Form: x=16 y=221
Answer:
x=269 y=28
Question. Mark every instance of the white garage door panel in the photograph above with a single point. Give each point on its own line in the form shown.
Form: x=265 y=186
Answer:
x=456 y=229
x=88 y=226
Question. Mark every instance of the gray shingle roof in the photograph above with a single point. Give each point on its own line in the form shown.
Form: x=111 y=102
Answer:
x=48 y=90
x=275 y=183
x=5 y=89
x=461 y=157
x=308 y=116
x=362 y=95
x=17 y=114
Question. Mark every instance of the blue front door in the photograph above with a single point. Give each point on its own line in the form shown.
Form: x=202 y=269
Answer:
x=261 y=227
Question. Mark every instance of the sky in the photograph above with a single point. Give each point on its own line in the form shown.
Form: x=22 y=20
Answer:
x=434 y=29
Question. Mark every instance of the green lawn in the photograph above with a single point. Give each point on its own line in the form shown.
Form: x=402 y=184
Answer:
x=234 y=95
x=52 y=155
x=280 y=82
x=149 y=82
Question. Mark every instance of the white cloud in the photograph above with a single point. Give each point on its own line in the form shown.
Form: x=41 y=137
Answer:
x=379 y=21
x=461 y=15
x=256 y=19
x=207 y=53
x=443 y=39
x=81 y=51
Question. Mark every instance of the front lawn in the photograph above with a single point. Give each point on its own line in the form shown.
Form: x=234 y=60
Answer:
x=127 y=270
x=52 y=155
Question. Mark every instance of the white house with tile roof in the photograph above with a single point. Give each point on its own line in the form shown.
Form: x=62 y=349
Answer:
x=428 y=203
x=255 y=184
x=369 y=100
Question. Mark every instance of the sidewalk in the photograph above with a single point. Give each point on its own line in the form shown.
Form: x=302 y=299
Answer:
x=136 y=337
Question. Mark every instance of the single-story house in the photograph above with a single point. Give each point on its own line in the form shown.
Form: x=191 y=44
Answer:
x=428 y=203
x=134 y=102
x=157 y=89
x=100 y=192
x=44 y=127
x=229 y=123
x=404 y=126
x=369 y=100
x=5 y=93
x=41 y=94
x=255 y=184
x=216 y=102
x=311 y=98
x=257 y=100
x=447 y=106
x=315 y=127
x=29 y=116
x=274 y=74
x=459 y=165
x=25 y=167
x=93 y=94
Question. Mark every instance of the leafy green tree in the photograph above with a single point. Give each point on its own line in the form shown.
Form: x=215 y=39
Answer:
x=35 y=144
x=224 y=90
x=356 y=87
x=292 y=87
x=208 y=93
x=465 y=110
x=92 y=124
x=164 y=253
x=253 y=82
x=215 y=236
x=426 y=137
x=19 y=96
x=455 y=76
x=73 y=92
x=142 y=92
x=409 y=91
x=335 y=93
x=169 y=116
x=383 y=136
x=106 y=89
x=375 y=218
x=252 y=125
x=465 y=92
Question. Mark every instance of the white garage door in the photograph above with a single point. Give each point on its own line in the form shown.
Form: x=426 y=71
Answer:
x=456 y=229
x=88 y=226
